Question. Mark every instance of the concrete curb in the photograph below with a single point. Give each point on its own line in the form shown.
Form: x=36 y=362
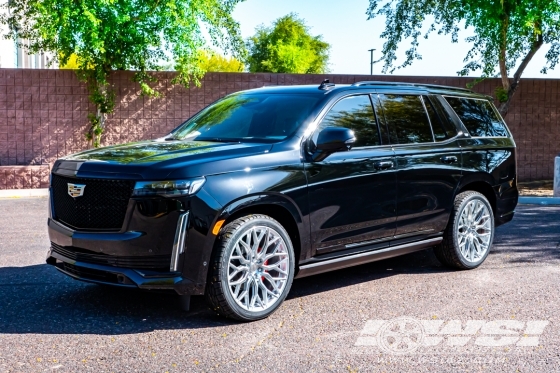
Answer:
x=19 y=193
x=539 y=200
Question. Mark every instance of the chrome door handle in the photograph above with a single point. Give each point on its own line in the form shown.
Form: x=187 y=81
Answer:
x=383 y=165
x=449 y=159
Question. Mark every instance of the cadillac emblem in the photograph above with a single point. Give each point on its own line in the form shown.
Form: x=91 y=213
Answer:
x=76 y=190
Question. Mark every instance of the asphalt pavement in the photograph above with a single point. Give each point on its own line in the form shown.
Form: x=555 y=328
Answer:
x=407 y=314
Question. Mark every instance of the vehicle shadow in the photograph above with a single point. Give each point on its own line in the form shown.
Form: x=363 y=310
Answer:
x=418 y=262
x=533 y=236
x=38 y=299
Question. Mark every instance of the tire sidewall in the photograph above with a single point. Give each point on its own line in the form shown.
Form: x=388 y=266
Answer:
x=471 y=197
x=223 y=275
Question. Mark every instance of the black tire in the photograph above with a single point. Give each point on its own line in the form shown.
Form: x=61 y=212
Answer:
x=218 y=294
x=449 y=252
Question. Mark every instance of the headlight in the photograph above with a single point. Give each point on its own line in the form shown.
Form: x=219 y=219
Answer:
x=168 y=188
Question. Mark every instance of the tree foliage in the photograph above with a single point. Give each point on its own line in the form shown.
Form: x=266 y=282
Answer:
x=287 y=47
x=109 y=35
x=214 y=62
x=507 y=34
x=71 y=63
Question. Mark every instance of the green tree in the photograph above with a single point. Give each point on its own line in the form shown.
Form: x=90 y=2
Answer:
x=507 y=34
x=213 y=62
x=287 y=47
x=101 y=36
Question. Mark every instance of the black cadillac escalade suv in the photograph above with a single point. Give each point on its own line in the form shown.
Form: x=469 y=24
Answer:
x=277 y=183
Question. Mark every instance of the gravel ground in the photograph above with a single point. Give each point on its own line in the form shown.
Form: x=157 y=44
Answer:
x=540 y=188
x=536 y=192
x=49 y=323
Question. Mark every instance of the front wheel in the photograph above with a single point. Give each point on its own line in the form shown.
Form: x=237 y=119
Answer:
x=468 y=237
x=252 y=268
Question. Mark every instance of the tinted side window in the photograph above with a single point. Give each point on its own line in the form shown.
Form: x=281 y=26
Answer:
x=478 y=116
x=356 y=113
x=407 y=119
x=437 y=127
x=445 y=116
x=442 y=125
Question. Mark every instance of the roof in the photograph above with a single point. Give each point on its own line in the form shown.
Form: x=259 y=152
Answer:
x=314 y=89
x=418 y=85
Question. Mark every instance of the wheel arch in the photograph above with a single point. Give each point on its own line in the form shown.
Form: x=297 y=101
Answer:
x=278 y=207
x=481 y=186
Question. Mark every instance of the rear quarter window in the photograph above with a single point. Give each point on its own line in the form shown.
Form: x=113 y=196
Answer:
x=478 y=116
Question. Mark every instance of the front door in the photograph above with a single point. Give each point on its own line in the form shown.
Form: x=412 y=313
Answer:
x=352 y=194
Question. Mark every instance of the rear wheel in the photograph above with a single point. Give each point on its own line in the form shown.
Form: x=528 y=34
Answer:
x=252 y=268
x=468 y=237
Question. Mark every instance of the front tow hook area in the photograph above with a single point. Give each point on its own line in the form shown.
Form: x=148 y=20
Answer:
x=123 y=277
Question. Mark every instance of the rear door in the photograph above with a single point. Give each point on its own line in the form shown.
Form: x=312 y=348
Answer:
x=352 y=194
x=428 y=161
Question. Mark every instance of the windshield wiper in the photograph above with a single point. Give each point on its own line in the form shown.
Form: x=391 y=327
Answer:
x=217 y=139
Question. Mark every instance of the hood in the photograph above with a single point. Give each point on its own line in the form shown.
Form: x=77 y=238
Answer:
x=159 y=158
x=153 y=151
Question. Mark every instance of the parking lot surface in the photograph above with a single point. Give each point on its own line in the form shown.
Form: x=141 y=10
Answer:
x=501 y=317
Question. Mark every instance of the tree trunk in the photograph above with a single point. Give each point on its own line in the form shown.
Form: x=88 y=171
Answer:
x=98 y=120
x=503 y=58
x=512 y=88
x=101 y=118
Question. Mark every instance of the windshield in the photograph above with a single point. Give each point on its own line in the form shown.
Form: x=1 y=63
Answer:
x=265 y=117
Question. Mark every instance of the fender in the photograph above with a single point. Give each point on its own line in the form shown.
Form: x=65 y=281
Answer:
x=504 y=195
x=195 y=270
x=276 y=199
x=477 y=177
x=270 y=198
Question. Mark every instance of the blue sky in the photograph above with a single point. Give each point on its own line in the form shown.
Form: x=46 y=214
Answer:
x=344 y=24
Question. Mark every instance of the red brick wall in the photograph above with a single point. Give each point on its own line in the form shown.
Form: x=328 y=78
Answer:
x=43 y=114
x=24 y=177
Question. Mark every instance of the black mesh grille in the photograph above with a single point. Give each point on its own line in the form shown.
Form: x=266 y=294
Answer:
x=102 y=206
x=154 y=262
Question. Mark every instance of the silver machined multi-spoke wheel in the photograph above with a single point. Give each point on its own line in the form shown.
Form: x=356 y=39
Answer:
x=258 y=268
x=474 y=231
x=468 y=237
x=252 y=268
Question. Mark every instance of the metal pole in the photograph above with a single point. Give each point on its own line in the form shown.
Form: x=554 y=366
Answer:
x=556 y=186
x=371 y=61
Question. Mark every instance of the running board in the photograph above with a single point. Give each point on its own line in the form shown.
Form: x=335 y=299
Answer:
x=361 y=258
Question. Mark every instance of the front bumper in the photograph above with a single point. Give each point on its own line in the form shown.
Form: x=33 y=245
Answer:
x=125 y=277
x=163 y=242
x=125 y=258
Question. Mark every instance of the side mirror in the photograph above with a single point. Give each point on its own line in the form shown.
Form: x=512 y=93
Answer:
x=331 y=140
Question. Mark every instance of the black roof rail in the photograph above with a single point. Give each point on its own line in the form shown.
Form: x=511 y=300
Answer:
x=326 y=84
x=419 y=85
